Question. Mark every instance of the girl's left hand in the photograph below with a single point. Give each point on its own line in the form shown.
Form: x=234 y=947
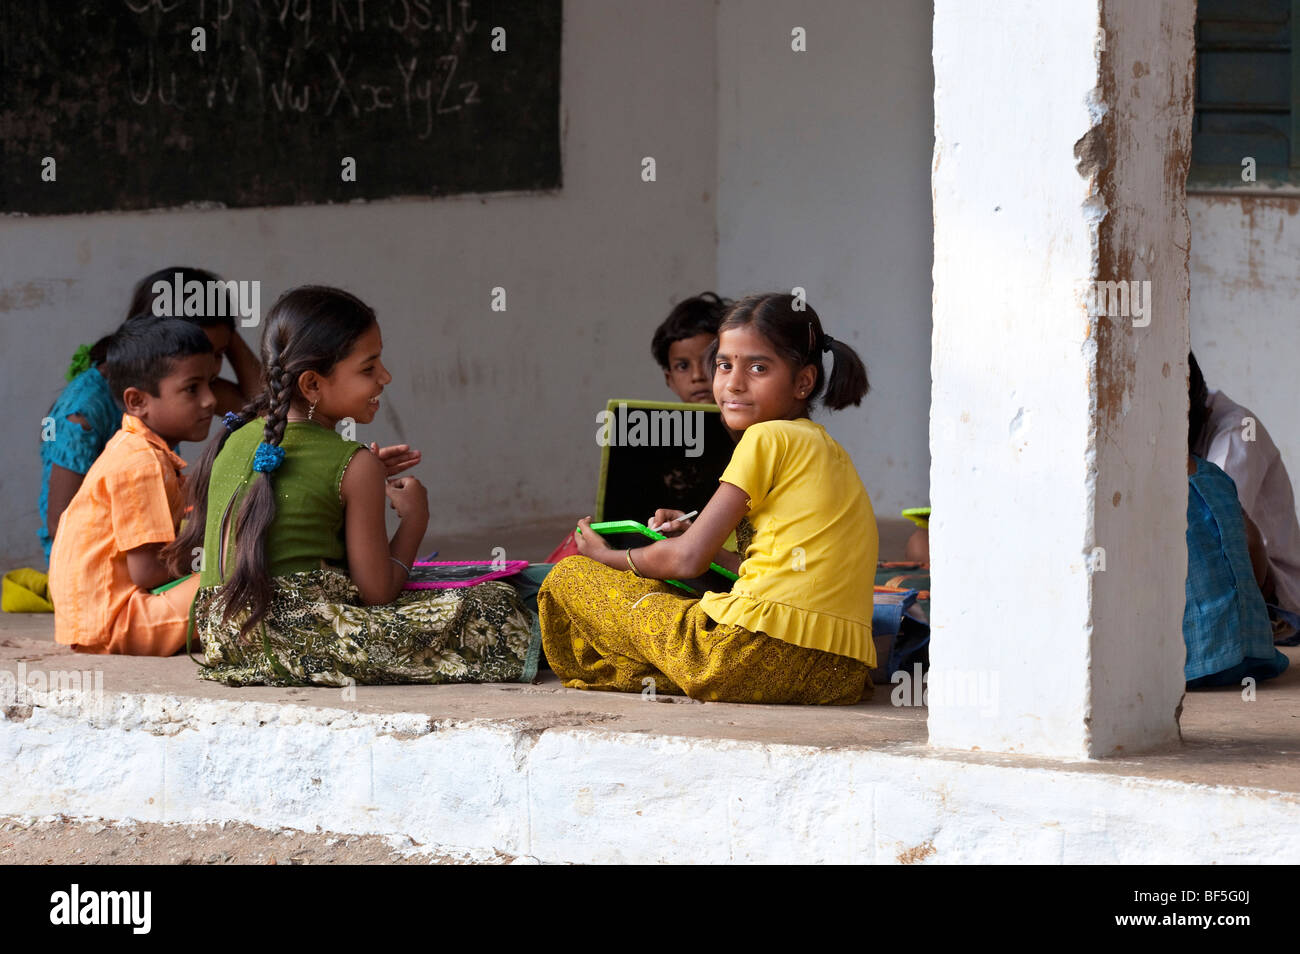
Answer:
x=396 y=457
x=590 y=543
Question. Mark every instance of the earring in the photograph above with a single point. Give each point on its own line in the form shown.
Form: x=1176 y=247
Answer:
x=311 y=410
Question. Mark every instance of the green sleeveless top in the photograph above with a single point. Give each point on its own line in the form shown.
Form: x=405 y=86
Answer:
x=308 y=524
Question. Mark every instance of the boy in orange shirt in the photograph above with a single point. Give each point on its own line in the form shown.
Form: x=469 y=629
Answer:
x=104 y=561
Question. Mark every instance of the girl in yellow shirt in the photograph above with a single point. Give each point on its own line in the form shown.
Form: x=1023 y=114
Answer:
x=796 y=627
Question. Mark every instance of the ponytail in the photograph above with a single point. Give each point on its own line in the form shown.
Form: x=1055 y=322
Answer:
x=848 y=382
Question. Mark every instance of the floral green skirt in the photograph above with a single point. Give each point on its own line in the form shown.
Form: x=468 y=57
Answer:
x=319 y=633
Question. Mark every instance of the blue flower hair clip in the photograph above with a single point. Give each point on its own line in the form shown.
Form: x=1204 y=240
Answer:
x=268 y=457
x=232 y=421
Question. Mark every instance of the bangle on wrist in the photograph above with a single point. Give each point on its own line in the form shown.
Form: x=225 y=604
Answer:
x=631 y=565
x=401 y=564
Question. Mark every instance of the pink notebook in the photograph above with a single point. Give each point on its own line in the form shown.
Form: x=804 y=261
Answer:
x=456 y=574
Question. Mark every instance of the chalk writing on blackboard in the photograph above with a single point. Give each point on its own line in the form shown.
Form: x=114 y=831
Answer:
x=242 y=102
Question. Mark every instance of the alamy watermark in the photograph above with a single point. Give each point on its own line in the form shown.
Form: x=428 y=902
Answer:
x=651 y=428
x=214 y=298
x=975 y=689
x=30 y=687
x=1119 y=300
x=75 y=906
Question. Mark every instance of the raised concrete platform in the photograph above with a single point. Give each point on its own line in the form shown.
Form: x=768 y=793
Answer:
x=568 y=776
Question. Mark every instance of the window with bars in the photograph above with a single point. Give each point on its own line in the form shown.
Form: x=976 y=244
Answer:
x=1247 y=92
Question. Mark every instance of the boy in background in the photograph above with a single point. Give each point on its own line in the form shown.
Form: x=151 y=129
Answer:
x=681 y=345
x=104 y=561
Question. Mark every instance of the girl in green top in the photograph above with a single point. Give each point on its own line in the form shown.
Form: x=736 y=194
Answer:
x=298 y=584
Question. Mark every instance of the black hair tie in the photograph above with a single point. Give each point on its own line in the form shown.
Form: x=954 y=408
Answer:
x=826 y=342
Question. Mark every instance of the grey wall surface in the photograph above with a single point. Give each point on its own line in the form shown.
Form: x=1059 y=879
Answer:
x=824 y=182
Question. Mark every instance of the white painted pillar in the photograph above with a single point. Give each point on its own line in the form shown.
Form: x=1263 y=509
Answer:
x=1063 y=134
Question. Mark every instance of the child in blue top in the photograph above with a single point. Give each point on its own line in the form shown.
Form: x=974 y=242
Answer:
x=78 y=425
x=1225 y=621
x=1226 y=625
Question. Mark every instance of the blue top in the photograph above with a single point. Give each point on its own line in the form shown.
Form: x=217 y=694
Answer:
x=74 y=447
x=1225 y=622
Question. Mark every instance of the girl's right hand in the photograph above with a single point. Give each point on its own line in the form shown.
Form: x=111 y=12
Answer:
x=408 y=497
x=662 y=517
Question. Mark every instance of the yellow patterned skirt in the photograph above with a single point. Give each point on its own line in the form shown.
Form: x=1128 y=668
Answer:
x=608 y=629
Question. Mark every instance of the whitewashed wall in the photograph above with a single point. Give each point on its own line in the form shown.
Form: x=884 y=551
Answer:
x=1245 y=318
x=824 y=182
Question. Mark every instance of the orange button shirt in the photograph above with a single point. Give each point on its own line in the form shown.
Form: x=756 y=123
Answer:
x=132 y=495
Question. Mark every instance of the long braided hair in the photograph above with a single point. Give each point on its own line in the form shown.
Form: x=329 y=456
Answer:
x=310 y=328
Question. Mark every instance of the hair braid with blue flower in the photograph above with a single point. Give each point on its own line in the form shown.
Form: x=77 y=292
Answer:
x=258 y=509
x=277 y=411
x=179 y=555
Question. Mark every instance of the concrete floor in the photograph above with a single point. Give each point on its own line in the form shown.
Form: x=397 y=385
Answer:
x=1226 y=740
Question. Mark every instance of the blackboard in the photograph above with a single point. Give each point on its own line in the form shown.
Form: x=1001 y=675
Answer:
x=412 y=90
